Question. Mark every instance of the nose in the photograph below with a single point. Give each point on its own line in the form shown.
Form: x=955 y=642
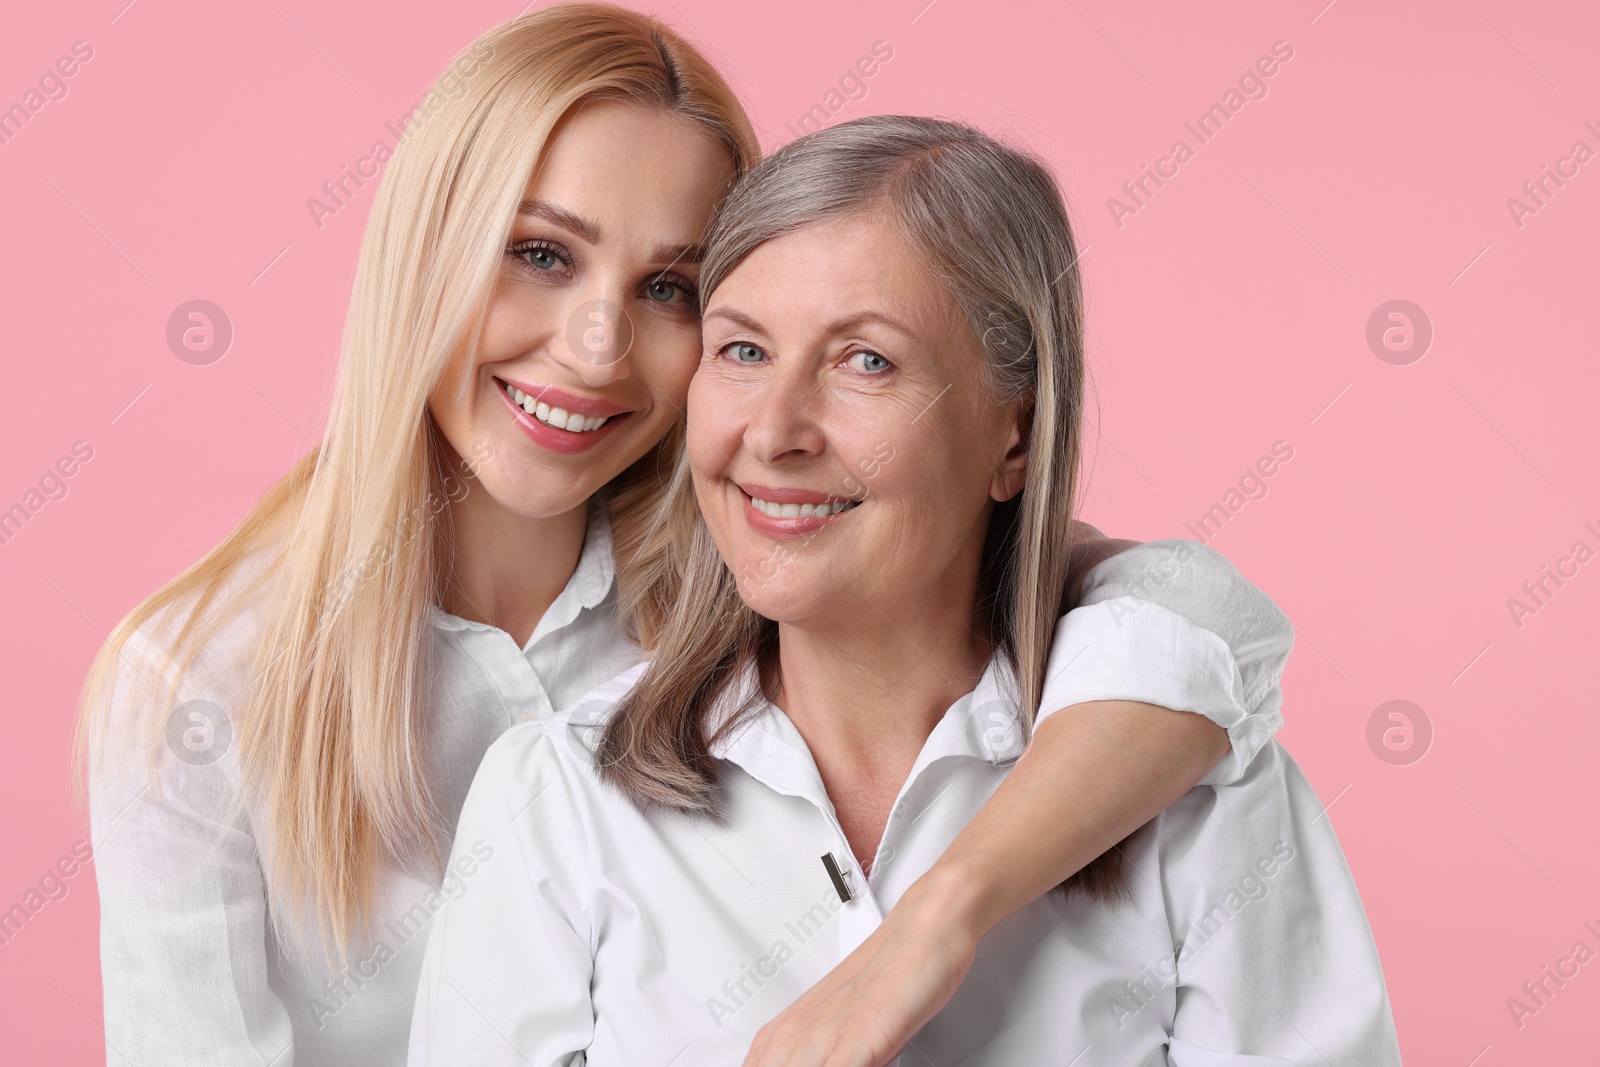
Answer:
x=597 y=341
x=782 y=422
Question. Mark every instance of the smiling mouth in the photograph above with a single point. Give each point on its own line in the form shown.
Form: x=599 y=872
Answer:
x=800 y=511
x=560 y=418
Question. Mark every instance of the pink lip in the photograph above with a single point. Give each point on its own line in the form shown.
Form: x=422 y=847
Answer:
x=788 y=529
x=553 y=438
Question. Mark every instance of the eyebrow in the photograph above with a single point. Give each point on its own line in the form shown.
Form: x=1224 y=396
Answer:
x=868 y=317
x=541 y=209
x=669 y=254
x=739 y=318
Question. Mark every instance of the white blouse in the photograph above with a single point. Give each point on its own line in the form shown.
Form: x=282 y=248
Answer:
x=192 y=974
x=589 y=932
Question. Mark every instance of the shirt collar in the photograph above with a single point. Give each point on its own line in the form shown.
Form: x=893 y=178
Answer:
x=985 y=724
x=596 y=571
x=588 y=587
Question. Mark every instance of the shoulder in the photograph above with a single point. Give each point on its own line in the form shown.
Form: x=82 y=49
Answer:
x=557 y=748
x=605 y=696
x=204 y=639
x=1191 y=579
x=521 y=757
x=538 y=789
x=168 y=692
x=593 y=710
x=1199 y=585
x=1128 y=568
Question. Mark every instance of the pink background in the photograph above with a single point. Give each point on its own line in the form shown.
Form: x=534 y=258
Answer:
x=1229 y=313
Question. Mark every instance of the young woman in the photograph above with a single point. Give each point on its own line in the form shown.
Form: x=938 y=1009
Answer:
x=281 y=739
x=655 y=890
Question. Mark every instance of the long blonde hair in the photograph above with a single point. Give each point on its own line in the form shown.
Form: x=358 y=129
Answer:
x=992 y=226
x=353 y=542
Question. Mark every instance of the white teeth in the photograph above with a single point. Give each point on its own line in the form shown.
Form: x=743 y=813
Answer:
x=801 y=511
x=561 y=418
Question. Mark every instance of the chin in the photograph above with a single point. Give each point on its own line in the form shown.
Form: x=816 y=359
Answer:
x=778 y=591
x=539 y=498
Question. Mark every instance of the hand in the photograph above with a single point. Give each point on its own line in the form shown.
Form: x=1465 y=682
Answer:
x=865 y=1010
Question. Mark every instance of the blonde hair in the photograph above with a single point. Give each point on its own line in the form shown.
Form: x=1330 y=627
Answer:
x=352 y=542
x=992 y=226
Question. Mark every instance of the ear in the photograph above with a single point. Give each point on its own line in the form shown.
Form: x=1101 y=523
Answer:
x=1012 y=473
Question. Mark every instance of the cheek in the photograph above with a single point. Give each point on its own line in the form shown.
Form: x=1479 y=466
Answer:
x=702 y=453
x=937 y=483
x=716 y=419
x=451 y=402
x=520 y=316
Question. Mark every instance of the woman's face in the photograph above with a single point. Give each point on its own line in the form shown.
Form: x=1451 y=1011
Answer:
x=842 y=443
x=591 y=333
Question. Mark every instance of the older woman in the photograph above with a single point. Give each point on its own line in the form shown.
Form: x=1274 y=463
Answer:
x=883 y=434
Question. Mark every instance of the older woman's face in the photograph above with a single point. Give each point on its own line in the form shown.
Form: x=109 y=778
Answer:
x=844 y=450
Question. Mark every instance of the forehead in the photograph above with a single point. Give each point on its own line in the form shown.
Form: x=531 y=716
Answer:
x=635 y=164
x=859 y=262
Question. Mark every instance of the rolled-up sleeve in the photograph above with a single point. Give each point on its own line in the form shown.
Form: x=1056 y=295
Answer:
x=1173 y=623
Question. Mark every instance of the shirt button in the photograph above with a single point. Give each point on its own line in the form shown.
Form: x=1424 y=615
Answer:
x=885 y=854
x=900 y=810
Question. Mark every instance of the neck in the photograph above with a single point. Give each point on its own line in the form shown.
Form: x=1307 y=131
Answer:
x=866 y=694
x=506 y=570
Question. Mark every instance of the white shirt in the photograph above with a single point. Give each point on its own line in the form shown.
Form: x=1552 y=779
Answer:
x=192 y=975
x=593 y=933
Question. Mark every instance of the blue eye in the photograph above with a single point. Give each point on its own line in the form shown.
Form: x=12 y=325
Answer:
x=670 y=289
x=539 y=255
x=869 y=362
x=742 y=352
